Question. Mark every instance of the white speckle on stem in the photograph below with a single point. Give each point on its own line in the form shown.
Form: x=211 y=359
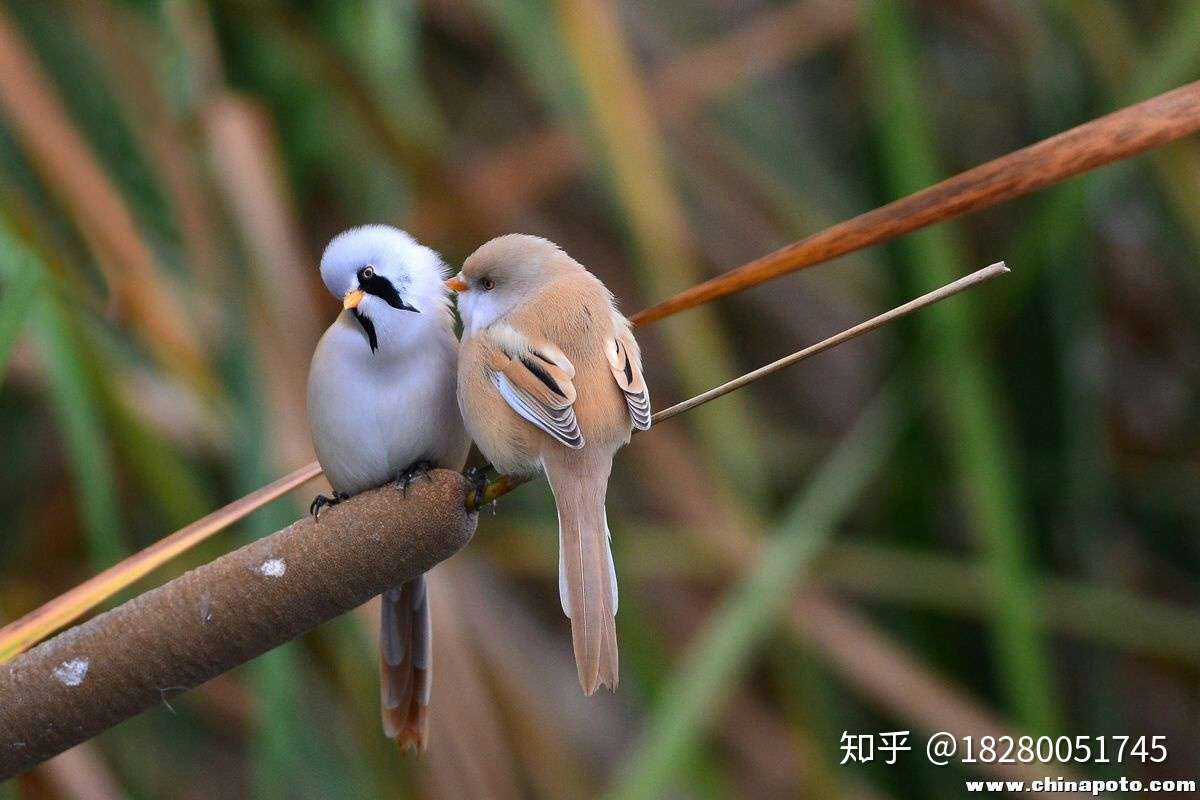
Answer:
x=72 y=673
x=273 y=567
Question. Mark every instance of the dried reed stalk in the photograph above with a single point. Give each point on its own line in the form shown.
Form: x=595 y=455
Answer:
x=225 y=613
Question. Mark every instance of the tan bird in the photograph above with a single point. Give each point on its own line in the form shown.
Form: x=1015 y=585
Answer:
x=550 y=379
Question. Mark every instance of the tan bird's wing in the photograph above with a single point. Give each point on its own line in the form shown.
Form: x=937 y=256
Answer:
x=534 y=378
x=626 y=362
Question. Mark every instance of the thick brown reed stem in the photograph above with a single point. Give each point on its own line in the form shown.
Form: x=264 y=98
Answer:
x=211 y=619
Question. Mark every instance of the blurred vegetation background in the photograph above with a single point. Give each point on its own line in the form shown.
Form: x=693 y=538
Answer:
x=983 y=519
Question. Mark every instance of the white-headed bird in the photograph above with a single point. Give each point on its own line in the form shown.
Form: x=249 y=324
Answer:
x=550 y=379
x=381 y=408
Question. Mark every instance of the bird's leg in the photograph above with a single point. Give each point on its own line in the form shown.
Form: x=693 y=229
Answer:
x=477 y=477
x=419 y=469
x=324 y=501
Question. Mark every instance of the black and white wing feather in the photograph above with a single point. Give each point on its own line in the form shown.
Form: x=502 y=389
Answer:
x=625 y=359
x=535 y=379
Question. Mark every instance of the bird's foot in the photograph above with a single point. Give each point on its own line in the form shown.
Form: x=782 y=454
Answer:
x=418 y=470
x=325 y=501
x=477 y=477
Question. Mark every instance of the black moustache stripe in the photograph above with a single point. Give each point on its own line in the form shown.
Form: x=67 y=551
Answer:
x=368 y=328
x=382 y=288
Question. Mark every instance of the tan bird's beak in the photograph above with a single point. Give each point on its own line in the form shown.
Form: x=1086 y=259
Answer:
x=353 y=298
x=457 y=284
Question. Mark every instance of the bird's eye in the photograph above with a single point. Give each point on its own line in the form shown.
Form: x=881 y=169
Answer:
x=488 y=284
x=367 y=273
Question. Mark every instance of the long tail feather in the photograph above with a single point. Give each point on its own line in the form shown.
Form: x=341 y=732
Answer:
x=587 y=579
x=406 y=663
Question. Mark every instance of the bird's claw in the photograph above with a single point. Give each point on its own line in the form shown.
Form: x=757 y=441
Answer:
x=322 y=501
x=420 y=469
x=477 y=477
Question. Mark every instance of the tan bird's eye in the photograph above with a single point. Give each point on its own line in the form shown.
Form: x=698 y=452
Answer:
x=367 y=273
x=488 y=284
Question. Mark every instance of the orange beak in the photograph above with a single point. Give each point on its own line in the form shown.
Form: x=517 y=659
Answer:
x=353 y=298
x=457 y=284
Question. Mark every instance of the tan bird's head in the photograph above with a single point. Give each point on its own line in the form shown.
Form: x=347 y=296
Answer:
x=504 y=273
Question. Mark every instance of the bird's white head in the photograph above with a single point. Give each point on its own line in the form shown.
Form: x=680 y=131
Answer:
x=504 y=273
x=390 y=284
